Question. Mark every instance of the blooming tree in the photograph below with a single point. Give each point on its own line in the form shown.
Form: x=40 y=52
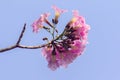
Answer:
x=64 y=48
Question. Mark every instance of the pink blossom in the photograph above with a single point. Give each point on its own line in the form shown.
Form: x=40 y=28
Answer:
x=47 y=51
x=84 y=31
x=71 y=44
x=64 y=57
x=52 y=59
x=35 y=26
x=80 y=26
x=77 y=47
x=39 y=23
x=77 y=20
x=75 y=13
x=70 y=55
x=67 y=58
x=58 y=12
x=53 y=64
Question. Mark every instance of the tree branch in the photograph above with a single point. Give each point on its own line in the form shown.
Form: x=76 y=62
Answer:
x=31 y=47
x=8 y=48
x=17 y=45
x=21 y=35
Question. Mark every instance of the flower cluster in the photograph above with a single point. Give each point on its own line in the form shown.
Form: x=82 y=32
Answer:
x=70 y=44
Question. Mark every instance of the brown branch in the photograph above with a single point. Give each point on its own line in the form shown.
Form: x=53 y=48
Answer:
x=31 y=47
x=8 y=48
x=17 y=45
x=21 y=35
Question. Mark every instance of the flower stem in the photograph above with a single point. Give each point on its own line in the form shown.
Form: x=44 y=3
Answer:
x=53 y=33
x=61 y=35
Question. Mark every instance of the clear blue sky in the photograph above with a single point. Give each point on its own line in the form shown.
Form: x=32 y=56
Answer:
x=100 y=61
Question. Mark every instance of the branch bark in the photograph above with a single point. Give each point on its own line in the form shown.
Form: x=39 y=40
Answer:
x=31 y=47
x=18 y=45
x=21 y=35
x=8 y=48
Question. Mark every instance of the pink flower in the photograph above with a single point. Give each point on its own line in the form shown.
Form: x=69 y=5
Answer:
x=79 y=25
x=69 y=45
x=47 y=51
x=84 y=31
x=53 y=64
x=70 y=55
x=75 y=13
x=58 y=12
x=39 y=23
x=62 y=57
x=52 y=59
x=77 y=20
x=77 y=47
x=66 y=58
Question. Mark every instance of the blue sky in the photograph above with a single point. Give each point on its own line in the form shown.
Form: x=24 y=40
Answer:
x=100 y=61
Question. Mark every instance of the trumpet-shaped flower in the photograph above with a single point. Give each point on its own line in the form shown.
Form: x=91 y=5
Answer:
x=66 y=47
x=63 y=56
x=58 y=12
x=39 y=23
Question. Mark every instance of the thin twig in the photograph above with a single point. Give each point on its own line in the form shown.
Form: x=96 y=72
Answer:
x=8 y=48
x=18 y=45
x=31 y=47
x=21 y=35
